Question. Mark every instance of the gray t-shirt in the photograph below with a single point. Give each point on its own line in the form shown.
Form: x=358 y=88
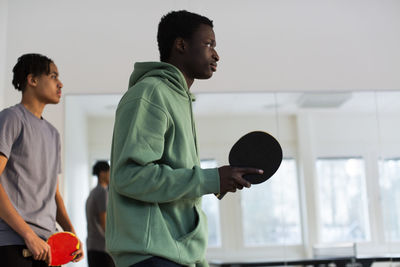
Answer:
x=95 y=204
x=32 y=146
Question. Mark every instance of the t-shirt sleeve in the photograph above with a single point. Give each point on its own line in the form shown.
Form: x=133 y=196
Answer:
x=10 y=128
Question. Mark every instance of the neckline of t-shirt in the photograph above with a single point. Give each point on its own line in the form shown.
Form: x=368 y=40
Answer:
x=31 y=114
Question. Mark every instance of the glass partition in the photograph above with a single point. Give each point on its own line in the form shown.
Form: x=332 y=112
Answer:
x=339 y=181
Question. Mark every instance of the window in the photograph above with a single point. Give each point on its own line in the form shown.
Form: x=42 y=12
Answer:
x=210 y=206
x=342 y=200
x=271 y=210
x=390 y=195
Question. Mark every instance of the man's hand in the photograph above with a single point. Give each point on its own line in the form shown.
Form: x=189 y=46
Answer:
x=38 y=247
x=231 y=178
x=78 y=253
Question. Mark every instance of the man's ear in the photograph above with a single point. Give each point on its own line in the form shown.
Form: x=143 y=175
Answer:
x=31 y=80
x=180 y=45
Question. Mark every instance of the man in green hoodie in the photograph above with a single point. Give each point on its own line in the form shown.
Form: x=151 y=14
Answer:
x=154 y=215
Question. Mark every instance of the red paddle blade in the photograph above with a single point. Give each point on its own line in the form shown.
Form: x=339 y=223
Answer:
x=62 y=246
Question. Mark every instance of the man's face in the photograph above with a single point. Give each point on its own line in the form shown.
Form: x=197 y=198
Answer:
x=104 y=176
x=48 y=86
x=201 y=59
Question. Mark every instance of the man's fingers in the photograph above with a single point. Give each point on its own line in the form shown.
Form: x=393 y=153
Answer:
x=244 y=183
x=231 y=178
x=37 y=254
x=44 y=256
x=239 y=186
x=239 y=181
x=40 y=256
x=48 y=260
x=79 y=255
x=243 y=171
x=251 y=171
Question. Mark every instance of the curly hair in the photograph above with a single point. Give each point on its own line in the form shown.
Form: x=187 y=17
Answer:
x=35 y=64
x=100 y=166
x=177 y=24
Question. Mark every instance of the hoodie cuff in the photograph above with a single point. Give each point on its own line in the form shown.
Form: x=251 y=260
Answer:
x=211 y=181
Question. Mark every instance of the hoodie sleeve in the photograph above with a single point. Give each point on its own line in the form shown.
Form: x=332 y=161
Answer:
x=138 y=146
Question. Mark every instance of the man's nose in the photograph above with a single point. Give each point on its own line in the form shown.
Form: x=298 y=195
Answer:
x=215 y=55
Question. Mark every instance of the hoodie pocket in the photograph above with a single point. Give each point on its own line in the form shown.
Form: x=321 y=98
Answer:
x=192 y=246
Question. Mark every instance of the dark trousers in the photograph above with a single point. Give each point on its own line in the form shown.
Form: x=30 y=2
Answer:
x=99 y=259
x=156 y=262
x=11 y=256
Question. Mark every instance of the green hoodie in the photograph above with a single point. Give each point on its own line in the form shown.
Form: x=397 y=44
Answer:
x=156 y=185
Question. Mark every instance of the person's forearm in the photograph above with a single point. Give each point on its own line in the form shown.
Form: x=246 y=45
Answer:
x=102 y=219
x=62 y=217
x=10 y=215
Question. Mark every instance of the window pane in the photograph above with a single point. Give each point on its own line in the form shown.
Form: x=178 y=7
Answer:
x=271 y=210
x=210 y=206
x=390 y=195
x=342 y=200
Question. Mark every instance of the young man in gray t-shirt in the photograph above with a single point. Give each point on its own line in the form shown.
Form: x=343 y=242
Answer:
x=30 y=161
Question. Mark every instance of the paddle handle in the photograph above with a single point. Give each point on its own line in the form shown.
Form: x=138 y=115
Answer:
x=26 y=253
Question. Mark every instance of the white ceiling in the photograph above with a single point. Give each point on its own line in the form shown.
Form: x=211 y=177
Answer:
x=264 y=45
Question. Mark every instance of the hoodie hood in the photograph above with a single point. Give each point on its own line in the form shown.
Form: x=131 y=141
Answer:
x=169 y=73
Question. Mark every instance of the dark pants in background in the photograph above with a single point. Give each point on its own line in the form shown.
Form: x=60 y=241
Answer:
x=11 y=256
x=99 y=259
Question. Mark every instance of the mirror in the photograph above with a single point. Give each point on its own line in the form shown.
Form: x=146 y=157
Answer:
x=339 y=181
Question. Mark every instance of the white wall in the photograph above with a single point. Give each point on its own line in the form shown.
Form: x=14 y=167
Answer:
x=3 y=40
x=76 y=170
x=100 y=130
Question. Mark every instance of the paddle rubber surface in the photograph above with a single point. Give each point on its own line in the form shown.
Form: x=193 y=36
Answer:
x=62 y=245
x=258 y=150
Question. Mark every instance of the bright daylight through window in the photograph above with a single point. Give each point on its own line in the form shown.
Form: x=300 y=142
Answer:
x=390 y=195
x=342 y=200
x=274 y=205
x=211 y=208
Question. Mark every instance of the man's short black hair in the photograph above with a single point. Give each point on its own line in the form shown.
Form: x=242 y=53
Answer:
x=100 y=166
x=35 y=64
x=177 y=24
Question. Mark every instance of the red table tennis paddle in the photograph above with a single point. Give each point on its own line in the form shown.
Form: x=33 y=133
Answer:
x=256 y=150
x=62 y=245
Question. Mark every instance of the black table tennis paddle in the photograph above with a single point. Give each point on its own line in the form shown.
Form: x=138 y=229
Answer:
x=256 y=150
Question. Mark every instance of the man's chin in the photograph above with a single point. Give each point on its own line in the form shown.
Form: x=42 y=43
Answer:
x=54 y=101
x=205 y=76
